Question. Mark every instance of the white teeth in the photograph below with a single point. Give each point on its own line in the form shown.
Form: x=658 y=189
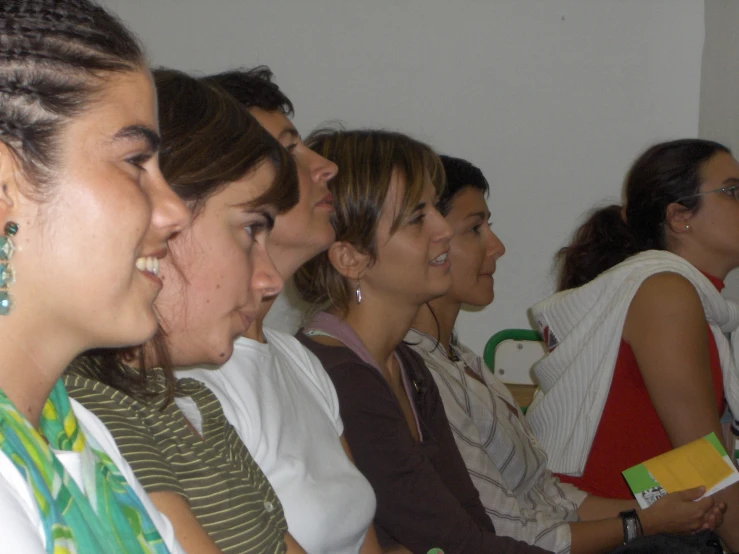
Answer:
x=440 y=259
x=149 y=263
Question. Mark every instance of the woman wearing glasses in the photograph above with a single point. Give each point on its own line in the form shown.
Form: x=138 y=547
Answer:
x=639 y=337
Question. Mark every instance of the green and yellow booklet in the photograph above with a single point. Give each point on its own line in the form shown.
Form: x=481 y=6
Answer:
x=701 y=462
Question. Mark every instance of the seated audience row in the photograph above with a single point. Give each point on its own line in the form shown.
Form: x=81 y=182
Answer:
x=235 y=178
x=395 y=417
x=519 y=493
x=244 y=439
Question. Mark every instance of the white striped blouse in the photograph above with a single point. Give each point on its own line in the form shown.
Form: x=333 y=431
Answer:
x=521 y=496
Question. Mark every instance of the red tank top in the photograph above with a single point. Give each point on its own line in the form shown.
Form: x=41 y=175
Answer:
x=628 y=407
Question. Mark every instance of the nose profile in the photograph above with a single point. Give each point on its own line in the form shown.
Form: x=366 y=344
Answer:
x=444 y=232
x=266 y=280
x=322 y=169
x=496 y=248
x=168 y=210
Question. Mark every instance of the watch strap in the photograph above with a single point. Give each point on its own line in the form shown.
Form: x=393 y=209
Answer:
x=631 y=525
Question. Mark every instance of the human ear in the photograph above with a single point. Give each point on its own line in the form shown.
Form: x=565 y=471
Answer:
x=347 y=260
x=10 y=181
x=677 y=218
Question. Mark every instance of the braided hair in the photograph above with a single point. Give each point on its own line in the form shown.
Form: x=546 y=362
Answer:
x=53 y=57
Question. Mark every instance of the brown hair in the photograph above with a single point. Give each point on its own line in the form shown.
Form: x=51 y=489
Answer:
x=54 y=59
x=254 y=88
x=208 y=141
x=668 y=172
x=367 y=160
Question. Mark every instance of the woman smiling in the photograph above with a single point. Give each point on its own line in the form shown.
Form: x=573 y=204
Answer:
x=234 y=178
x=86 y=215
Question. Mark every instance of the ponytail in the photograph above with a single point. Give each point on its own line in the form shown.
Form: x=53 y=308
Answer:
x=600 y=243
x=667 y=173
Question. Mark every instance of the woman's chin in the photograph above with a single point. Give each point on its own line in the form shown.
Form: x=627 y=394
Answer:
x=481 y=300
x=320 y=242
x=136 y=333
x=220 y=356
x=432 y=293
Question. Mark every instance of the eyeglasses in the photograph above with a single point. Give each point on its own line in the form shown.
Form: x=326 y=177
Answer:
x=732 y=191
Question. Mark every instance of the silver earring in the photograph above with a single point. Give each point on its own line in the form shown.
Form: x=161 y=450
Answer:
x=687 y=227
x=358 y=293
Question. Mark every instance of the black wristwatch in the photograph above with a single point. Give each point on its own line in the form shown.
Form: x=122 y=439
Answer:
x=632 y=525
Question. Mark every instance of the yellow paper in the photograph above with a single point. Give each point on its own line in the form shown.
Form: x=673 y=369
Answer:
x=691 y=465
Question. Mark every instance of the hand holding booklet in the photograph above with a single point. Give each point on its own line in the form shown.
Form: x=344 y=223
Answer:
x=701 y=462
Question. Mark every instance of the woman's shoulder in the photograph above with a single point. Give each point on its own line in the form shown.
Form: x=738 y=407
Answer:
x=131 y=420
x=21 y=523
x=290 y=351
x=88 y=389
x=332 y=357
x=413 y=361
x=102 y=399
x=665 y=292
x=667 y=282
x=89 y=379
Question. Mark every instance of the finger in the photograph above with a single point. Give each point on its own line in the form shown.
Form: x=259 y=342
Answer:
x=719 y=519
x=692 y=494
x=704 y=505
x=710 y=521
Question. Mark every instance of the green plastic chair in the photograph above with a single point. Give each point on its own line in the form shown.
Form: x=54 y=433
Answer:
x=519 y=374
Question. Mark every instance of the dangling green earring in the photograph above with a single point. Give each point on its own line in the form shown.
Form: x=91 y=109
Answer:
x=7 y=275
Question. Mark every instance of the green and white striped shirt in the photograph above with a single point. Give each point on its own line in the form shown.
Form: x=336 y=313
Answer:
x=228 y=493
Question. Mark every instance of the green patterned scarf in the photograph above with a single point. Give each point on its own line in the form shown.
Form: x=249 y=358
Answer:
x=108 y=519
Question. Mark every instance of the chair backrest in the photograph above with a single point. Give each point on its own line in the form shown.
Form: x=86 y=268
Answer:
x=511 y=353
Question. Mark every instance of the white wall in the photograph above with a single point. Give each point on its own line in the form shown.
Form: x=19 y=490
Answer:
x=552 y=98
x=719 y=103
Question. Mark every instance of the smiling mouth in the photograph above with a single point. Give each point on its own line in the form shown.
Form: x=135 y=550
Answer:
x=441 y=259
x=149 y=264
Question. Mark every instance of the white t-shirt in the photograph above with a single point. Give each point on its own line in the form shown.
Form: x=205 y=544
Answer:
x=21 y=527
x=284 y=407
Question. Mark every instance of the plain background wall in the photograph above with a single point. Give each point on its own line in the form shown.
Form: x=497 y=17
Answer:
x=719 y=105
x=553 y=99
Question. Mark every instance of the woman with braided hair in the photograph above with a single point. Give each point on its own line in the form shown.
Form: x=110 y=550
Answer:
x=86 y=215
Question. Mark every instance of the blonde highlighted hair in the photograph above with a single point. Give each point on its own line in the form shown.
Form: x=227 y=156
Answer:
x=367 y=161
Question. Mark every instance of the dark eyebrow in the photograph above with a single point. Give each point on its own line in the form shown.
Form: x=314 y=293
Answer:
x=419 y=206
x=483 y=215
x=138 y=132
x=731 y=181
x=267 y=213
